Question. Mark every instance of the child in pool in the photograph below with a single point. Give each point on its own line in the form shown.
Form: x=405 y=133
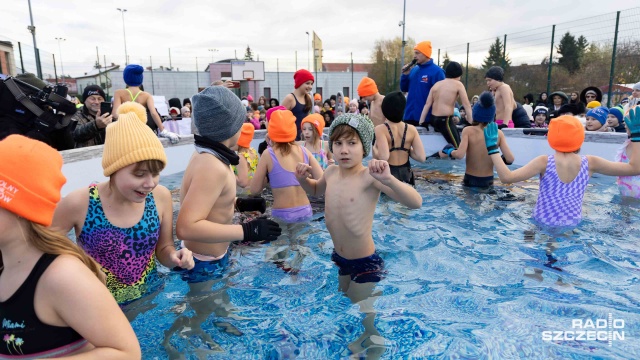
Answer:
x=628 y=185
x=290 y=203
x=564 y=175
x=312 y=130
x=351 y=193
x=479 y=169
x=208 y=191
x=51 y=293
x=398 y=140
x=248 y=161
x=130 y=216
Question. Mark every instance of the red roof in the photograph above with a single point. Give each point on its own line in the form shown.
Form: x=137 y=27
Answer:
x=346 y=67
x=616 y=87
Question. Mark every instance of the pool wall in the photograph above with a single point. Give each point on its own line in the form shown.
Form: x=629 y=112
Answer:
x=83 y=166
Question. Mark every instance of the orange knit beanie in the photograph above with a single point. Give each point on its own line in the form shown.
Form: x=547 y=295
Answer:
x=246 y=135
x=424 y=47
x=30 y=178
x=316 y=120
x=282 y=126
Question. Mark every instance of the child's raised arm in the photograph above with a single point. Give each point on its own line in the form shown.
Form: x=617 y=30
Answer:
x=311 y=186
x=534 y=167
x=605 y=167
x=403 y=193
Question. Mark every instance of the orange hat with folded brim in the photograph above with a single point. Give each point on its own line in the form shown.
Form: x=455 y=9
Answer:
x=565 y=134
x=424 y=47
x=367 y=87
x=282 y=126
x=317 y=97
x=316 y=120
x=246 y=135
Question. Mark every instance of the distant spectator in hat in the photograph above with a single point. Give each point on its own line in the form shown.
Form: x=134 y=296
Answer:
x=474 y=99
x=558 y=99
x=317 y=100
x=634 y=99
x=90 y=123
x=540 y=117
x=187 y=102
x=615 y=121
x=418 y=81
x=589 y=94
x=597 y=118
x=185 y=112
x=568 y=109
x=174 y=112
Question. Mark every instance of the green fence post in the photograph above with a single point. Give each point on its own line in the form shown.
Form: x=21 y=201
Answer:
x=466 y=71
x=613 y=60
x=553 y=34
x=438 y=57
x=504 y=52
x=21 y=61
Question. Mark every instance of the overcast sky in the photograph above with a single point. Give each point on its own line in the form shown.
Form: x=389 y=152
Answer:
x=276 y=28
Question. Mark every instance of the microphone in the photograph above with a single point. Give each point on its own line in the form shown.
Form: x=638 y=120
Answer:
x=409 y=65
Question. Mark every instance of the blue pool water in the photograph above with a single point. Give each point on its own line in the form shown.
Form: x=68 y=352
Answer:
x=469 y=276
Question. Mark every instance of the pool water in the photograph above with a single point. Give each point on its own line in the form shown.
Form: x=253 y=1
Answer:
x=469 y=276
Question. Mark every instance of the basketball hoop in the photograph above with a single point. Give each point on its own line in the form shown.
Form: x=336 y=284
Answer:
x=248 y=79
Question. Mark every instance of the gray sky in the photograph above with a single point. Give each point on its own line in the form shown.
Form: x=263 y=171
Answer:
x=276 y=29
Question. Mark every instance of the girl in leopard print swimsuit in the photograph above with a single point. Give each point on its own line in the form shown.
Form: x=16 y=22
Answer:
x=125 y=223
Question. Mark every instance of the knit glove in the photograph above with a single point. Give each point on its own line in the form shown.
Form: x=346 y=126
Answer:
x=261 y=229
x=491 y=138
x=632 y=119
x=173 y=137
x=448 y=149
x=251 y=204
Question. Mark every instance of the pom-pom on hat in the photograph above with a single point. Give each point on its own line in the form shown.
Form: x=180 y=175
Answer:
x=367 y=87
x=249 y=98
x=282 y=126
x=424 y=47
x=565 y=134
x=393 y=106
x=30 y=178
x=217 y=113
x=133 y=75
x=600 y=113
x=495 y=73
x=246 y=135
x=593 y=104
x=453 y=70
x=484 y=111
x=316 y=120
x=129 y=140
x=363 y=126
x=302 y=76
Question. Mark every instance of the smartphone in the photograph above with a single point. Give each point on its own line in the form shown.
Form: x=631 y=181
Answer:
x=105 y=107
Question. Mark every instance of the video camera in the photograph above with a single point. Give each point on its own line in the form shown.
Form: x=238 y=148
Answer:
x=31 y=107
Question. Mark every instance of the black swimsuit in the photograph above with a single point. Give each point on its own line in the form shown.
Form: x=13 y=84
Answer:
x=401 y=172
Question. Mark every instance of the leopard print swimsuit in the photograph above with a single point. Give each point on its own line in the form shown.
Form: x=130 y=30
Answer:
x=127 y=255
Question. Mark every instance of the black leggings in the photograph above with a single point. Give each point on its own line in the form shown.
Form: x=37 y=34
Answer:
x=445 y=126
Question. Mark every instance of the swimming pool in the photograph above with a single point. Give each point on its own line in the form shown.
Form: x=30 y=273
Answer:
x=469 y=276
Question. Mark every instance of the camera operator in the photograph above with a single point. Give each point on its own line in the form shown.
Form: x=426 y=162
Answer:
x=90 y=124
x=33 y=108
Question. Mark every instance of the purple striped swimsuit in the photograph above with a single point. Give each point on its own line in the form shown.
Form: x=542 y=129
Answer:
x=560 y=204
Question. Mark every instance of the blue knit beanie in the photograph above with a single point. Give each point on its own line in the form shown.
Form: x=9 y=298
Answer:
x=484 y=111
x=133 y=75
x=600 y=113
x=217 y=113
x=456 y=112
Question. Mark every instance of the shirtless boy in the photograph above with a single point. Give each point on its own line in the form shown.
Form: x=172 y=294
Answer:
x=442 y=99
x=351 y=193
x=479 y=171
x=368 y=91
x=505 y=103
x=133 y=78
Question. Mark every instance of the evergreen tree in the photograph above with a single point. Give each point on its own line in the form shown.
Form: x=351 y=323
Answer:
x=495 y=56
x=445 y=60
x=248 y=55
x=570 y=53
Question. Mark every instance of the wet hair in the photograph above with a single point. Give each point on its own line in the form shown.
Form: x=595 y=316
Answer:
x=153 y=166
x=344 y=131
x=283 y=147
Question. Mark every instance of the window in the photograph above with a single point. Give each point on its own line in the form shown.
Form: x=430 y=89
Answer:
x=345 y=91
x=225 y=74
x=319 y=90
x=267 y=93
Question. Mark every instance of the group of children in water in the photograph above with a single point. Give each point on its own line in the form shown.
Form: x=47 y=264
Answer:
x=53 y=293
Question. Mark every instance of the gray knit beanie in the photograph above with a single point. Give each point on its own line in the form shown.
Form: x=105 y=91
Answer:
x=217 y=113
x=363 y=126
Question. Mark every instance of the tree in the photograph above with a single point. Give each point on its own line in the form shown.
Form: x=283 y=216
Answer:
x=248 y=55
x=445 y=60
x=570 y=52
x=386 y=57
x=497 y=56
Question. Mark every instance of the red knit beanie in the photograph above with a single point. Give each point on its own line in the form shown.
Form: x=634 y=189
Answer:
x=302 y=76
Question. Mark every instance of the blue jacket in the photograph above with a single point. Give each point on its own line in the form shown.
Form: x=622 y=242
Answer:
x=418 y=83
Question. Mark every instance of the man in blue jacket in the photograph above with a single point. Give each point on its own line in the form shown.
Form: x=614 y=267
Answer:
x=418 y=81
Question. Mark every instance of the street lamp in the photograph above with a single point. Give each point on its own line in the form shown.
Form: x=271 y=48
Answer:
x=213 y=51
x=60 y=49
x=308 y=53
x=316 y=54
x=402 y=23
x=32 y=30
x=124 y=34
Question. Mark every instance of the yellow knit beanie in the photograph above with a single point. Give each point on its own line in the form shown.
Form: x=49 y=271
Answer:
x=129 y=140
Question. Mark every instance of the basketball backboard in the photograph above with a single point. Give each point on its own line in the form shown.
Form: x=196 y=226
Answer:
x=243 y=70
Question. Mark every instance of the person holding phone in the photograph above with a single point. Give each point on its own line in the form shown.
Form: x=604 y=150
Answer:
x=92 y=119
